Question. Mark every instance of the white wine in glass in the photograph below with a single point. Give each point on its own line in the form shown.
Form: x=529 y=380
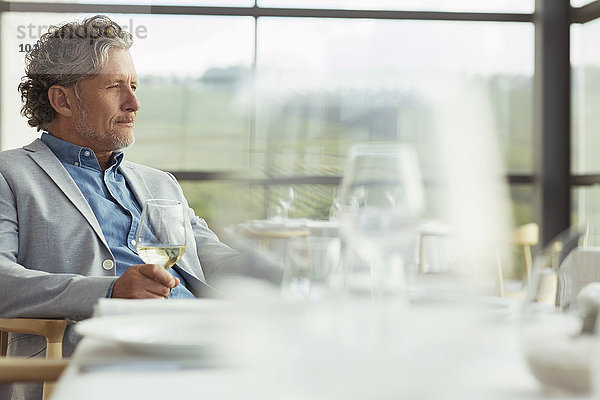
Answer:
x=160 y=237
x=166 y=256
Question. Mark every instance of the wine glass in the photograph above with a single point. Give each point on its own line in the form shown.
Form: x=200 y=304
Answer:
x=286 y=198
x=307 y=267
x=160 y=237
x=381 y=197
x=334 y=209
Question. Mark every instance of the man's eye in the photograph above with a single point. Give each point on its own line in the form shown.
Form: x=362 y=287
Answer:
x=114 y=86
x=133 y=87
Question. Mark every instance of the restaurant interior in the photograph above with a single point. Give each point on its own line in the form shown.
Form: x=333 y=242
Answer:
x=421 y=175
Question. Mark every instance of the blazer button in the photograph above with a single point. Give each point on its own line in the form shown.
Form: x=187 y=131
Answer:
x=108 y=264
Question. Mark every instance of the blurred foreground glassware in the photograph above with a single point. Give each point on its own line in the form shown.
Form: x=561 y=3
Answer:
x=381 y=197
x=558 y=332
x=308 y=267
x=435 y=252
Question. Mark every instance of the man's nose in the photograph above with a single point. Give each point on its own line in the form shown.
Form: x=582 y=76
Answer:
x=132 y=104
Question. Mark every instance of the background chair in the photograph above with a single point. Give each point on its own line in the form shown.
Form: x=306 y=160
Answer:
x=16 y=369
x=578 y=269
x=525 y=237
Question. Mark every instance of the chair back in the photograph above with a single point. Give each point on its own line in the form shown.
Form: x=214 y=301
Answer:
x=524 y=237
x=3 y=343
x=33 y=370
x=579 y=268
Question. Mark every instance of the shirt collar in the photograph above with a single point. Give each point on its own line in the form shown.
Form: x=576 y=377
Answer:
x=70 y=153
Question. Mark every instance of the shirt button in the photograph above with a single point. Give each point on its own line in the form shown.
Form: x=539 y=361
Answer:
x=86 y=153
x=76 y=163
x=133 y=242
x=108 y=264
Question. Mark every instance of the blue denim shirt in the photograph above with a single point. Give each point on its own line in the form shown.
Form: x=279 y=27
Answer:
x=112 y=202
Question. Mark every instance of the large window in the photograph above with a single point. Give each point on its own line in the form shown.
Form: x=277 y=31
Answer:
x=585 y=59
x=192 y=72
x=241 y=106
x=19 y=32
x=326 y=84
x=517 y=6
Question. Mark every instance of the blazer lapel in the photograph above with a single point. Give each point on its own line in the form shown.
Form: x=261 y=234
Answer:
x=136 y=183
x=43 y=156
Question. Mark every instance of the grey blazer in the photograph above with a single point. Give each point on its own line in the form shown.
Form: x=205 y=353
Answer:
x=54 y=259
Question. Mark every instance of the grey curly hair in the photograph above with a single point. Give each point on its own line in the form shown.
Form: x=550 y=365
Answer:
x=66 y=55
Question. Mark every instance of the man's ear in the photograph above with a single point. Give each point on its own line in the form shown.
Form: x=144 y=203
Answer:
x=60 y=100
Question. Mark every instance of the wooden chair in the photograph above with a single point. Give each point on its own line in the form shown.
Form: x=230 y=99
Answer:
x=16 y=369
x=525 y=237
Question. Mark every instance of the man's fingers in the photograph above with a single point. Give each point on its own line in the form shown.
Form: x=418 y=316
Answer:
x=157 y=290
x=158 y=274
x=143 y=282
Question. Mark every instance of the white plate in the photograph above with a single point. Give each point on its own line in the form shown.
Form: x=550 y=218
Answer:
x=161 y=334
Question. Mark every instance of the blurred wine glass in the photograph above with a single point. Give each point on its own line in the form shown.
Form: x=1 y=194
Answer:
x=286 y=199
x=381 y=197
x=334 y=209
x=307 y=267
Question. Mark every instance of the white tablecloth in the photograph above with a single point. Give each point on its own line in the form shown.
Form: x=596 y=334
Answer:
x=441 y=356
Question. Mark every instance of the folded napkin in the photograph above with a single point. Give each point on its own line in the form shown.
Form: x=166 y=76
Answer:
x=106 y=307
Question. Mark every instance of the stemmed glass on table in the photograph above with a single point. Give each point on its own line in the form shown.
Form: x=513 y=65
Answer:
x=286 y=199
x=160 y=237
x=381 y=196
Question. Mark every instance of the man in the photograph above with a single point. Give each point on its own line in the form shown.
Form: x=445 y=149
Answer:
x=70 y=204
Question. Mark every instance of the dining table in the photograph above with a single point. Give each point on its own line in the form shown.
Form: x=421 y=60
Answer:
x=433 y=239
x=452 y=347
x=272 y=236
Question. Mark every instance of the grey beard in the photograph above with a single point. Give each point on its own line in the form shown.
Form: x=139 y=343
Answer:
x=114 y=141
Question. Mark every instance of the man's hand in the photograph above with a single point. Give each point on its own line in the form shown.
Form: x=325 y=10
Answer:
x=145 y=281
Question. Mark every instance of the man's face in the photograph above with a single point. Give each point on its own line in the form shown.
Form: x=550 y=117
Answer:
x=105 y=116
